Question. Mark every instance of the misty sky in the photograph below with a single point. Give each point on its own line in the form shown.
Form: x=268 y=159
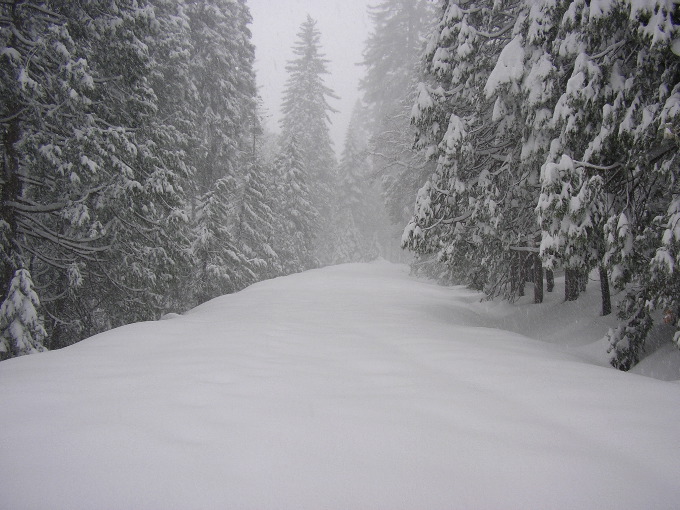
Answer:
x=344 y=27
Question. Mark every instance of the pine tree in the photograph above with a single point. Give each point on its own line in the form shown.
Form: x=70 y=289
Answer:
x=139 y=151
x=68 y=146
x=588 y=95
x=470 y=213
x=522 y=85
x=297 y=217
x=172 y=130
x=610 y=174
x=220 y=266
x=104 y=104
x=391 y=54
x=221 y=65
x=224 y=82
x=146 y=204
x=256 y=222
x=306 y=113
x=21 y=329
x=46 y=178
x=305 y=105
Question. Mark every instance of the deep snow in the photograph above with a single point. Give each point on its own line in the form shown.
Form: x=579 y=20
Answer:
x=351 y=387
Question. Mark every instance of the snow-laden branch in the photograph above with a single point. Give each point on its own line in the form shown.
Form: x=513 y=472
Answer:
x=20 y=37
x=37 y=229
x=449 y=221
x=501 y=31
x=530 y=249
x=611 y=48
x=12 y=117
x=42 y=10
x=48 y=208
x=51 y=262
x=598 y=167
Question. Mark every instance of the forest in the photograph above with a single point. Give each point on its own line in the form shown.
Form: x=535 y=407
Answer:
x=501 y=143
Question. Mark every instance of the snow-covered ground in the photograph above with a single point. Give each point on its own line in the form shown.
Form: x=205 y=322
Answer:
x=351 y=387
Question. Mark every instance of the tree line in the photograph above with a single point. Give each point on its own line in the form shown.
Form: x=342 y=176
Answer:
x=136 y=177
x=514 y=140
x=552 y=131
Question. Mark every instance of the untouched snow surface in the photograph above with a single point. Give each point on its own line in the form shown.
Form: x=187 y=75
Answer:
x=351 y=387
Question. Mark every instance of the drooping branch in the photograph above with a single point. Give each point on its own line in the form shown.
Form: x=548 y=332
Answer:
x=598 y=167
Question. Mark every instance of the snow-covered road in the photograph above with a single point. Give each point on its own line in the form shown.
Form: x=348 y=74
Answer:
x=351 y=387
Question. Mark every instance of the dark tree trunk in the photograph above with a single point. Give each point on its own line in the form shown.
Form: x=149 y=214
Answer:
x=529 y=268
x=582 y=281
x=514 y=277
x=538 y=279
x=571 y=285
x=549 y=280
x=604 y=289
x=522 y=274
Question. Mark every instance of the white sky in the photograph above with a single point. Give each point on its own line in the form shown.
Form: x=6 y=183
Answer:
x=344 y=27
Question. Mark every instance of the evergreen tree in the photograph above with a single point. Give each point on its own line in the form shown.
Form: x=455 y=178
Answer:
x=609 y=173
x=297 y=217
x=224 y=80
x=47 y=178
x=306 y=113
x=109 y=112
x=256 y=222
x=145 y=204
x=221 y=267
x=141 y=206
x=225 y=94
x=617 y=118
x=588 y=95
x=75 y=145
x=471 y=213
x=21 y=329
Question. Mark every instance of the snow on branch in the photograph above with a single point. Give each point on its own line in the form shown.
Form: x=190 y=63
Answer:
x=508 y=69
x=530 y=249
x=598 y=167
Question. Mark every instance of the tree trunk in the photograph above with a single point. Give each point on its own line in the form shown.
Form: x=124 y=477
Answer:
x=530 y=270
x=549 y=280
x=604 y=289
x=538 y=279
x=571 y=284
x=522 y=274
x=514 y=274
x=582 y=281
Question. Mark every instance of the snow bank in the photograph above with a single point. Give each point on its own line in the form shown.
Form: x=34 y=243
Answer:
x=352 y=387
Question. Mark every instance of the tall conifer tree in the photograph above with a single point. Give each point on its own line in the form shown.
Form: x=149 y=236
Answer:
x=586 y=93
x=110 y=111
x=297 y=218
x=306 y=117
